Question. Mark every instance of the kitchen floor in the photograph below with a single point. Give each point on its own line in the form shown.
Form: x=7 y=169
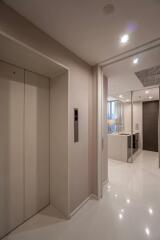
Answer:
x=129 y=210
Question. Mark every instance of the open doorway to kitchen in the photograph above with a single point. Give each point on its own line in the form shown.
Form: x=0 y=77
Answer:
x=133 y=123
x=132 y=120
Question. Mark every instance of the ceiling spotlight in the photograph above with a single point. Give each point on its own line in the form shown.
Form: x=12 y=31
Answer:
x=147 y=91
x=147 y=231
x=127 y=100
x=128 y=200
x=120 y=96
x=120 y=216
x=150 y=97
x=135 y=60
x=150 y=210
x=125 y=38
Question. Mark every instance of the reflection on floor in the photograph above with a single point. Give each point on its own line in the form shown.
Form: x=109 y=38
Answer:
x=129 y=210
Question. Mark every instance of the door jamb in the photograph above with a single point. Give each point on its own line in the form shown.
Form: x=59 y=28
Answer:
x=99 y=131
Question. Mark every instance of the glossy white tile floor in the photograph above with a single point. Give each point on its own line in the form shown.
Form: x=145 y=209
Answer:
x=130 y=209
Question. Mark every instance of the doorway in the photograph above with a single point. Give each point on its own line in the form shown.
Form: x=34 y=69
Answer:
x=150 y=125
x=131 y=123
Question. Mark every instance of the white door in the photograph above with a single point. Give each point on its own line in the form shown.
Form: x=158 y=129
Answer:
x=36 y=143
x=11 y=147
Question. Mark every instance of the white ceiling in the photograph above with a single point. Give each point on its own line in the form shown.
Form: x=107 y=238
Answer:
x=82 y=26
x=23 y=57
x=121 y=75
x=142 y=96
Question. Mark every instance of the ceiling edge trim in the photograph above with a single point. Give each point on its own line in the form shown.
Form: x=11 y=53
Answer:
x=32 y=49
x=132 y=52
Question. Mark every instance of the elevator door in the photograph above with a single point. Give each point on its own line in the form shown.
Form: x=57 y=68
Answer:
x=36 y=143
x=11 y=147
x=150 y=125
x=24 y=145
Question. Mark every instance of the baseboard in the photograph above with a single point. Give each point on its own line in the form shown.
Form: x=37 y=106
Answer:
x=92 y=196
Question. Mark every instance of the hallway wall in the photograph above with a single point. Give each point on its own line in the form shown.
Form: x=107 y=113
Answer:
x=59 y=175
x=80 y=96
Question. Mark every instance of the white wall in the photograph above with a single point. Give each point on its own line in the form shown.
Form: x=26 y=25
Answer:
x=80 y=96
x=137 y=119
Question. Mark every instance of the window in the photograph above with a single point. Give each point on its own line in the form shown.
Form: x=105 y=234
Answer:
x=115 y=116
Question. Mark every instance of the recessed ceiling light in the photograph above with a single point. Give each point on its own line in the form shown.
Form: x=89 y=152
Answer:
x=150 y=210
x=127 y=100
x=147 y=231
x=147 y=91
x=120 y=216
x=128 y=200
x=125 y=38
x=150 y=97
x=135 y=60
x=120 y=96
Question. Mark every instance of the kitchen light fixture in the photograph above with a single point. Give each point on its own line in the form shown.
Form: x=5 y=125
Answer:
x=147 y=91
x=124 y=39
x=120 y=96
x=150 y=97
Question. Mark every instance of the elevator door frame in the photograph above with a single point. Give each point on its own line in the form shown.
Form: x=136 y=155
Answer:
x=65 y=70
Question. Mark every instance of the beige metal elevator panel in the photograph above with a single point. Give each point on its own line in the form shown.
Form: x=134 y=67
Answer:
x=11 y=147
x=36 y=143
